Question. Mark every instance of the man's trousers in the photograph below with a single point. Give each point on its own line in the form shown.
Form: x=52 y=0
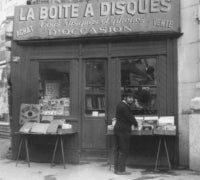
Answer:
x=122 y=143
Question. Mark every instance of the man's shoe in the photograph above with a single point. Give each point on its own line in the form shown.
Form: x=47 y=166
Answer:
x=122 y=173
x=115 y=172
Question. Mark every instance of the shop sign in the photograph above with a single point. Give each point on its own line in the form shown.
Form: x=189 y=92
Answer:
x=105 y=17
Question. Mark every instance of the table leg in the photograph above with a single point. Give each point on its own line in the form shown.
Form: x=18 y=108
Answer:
x=54 y=151
x=62 y=149
x=110 y=158
x=167 y=153
x=158 y=152
x=111 y=151
x=19 y=150
x=27 y=152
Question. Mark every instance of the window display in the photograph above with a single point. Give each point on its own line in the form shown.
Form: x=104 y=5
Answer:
x=139 y=75
x=54 y=88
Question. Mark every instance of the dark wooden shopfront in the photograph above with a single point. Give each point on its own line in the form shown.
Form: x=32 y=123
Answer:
x=93 y=67
x=92 y=130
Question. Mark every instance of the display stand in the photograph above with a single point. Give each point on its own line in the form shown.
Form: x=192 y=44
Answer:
x=23 y=138
x=162 y=140
x=59 y=138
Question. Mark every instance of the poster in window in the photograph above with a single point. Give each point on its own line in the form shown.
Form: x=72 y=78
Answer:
x=29 y=112
x=52 y=89
x=55 y=107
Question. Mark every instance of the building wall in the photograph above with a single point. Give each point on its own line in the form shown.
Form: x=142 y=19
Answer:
x=7 y=8
x=6 y=12
x=188 y=71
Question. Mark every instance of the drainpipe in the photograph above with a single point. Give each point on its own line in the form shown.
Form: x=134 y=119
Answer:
x=198 y=44
x=198 y=83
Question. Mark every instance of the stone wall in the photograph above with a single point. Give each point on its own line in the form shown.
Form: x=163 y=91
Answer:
x=188 y=70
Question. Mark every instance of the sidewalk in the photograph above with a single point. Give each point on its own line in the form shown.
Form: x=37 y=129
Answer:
x=86 y=170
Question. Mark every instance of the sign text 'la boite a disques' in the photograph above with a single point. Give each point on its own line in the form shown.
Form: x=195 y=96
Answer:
x=95 y=18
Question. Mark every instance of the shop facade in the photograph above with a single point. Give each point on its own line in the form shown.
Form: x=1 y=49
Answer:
x=84 y=56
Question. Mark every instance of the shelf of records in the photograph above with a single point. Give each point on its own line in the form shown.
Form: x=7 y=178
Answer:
x=150 y=125
x=95 y=102
x=95 y=105
x=35 y=119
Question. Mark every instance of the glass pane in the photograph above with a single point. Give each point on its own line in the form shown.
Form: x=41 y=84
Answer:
x=54 y=91
x=95 y=89
x=95 y=74
x=139 y=75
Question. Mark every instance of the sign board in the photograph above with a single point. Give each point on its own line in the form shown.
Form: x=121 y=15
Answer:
x=99 y=18
x=29 y=112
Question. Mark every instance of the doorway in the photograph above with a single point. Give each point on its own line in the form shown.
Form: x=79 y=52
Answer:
x=94 y=103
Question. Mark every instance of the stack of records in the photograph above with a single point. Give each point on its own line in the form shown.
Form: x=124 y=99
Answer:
x=26 y=127
x=40 y=128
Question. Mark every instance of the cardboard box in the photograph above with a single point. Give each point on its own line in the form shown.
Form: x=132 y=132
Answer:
x=65 y=131
x=136 y=132
x=158 y=131
x=146 y=132
x=170 y=132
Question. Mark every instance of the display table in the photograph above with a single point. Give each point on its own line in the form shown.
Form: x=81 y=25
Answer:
x=59 y=138
x=162 y=134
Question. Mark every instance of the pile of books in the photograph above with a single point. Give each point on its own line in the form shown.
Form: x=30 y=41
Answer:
x=165 y=126
x=54 y=127
x=149 y=125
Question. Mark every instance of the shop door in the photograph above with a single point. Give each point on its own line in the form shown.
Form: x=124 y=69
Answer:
x=94 y=104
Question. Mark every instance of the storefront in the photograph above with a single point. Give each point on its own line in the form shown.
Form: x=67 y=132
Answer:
x=83 y=56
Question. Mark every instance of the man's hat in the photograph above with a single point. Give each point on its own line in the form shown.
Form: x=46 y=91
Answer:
x=128 y=92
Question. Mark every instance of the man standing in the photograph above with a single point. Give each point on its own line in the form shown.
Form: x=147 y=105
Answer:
x=122 y=132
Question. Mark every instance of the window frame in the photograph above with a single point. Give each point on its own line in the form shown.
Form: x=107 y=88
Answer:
x=136 y=111
x=105 y=62
x=66 y=61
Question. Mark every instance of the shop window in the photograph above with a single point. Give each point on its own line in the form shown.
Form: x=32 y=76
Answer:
x=54 y=88
x=95 y=89
x=139 y=76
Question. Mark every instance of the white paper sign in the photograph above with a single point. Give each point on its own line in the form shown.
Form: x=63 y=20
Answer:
x=166 y=120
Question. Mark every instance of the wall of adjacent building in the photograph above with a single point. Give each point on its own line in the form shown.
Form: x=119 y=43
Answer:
x=188 y=70
x=6 y=20
x=7 y=8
